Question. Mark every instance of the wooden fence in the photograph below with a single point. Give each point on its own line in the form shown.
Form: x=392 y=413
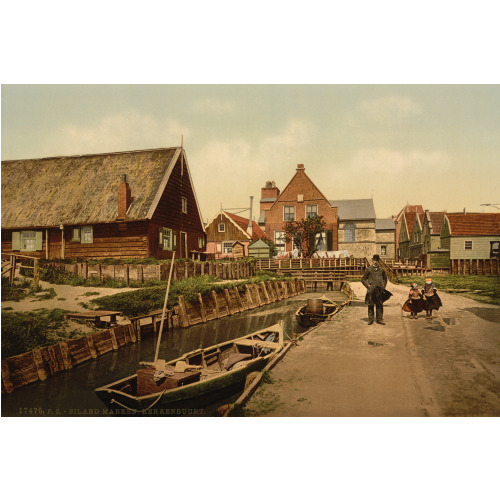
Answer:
x=486 y=267
x=12 y=261
x=41 y=363
x=159 y=272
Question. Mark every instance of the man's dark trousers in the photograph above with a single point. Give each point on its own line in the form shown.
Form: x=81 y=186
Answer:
x=380 y=312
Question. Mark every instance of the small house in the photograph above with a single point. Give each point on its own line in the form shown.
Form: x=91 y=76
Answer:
x=225 y=229
x=471 y=236
x=131 y=204
x=259 y=249
x=385 y=230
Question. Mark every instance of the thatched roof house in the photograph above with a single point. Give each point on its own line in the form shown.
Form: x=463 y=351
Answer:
x=134 y=203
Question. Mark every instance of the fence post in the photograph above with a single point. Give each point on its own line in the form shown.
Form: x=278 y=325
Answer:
x=36 y=273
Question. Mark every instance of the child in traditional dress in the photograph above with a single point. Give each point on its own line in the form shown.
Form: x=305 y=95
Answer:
x=431 y=298
x=414 y=304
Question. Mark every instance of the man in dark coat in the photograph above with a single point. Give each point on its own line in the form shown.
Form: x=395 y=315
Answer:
x=375 y=281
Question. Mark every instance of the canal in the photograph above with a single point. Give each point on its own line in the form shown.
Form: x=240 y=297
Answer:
x=71 y=393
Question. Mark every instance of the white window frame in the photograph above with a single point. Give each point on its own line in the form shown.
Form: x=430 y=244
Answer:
x=184 y=203
x=201 y=241
x=28 y=241
x=291 y=208
x=279 y=240
x=222 y=227
x=308 y=214
x=383 y=250
x=227 y=245
x=471 y=245
x=87 y=235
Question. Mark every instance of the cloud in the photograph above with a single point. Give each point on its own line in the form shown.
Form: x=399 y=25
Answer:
x=394 y=108
x=393 y=162
x=228 y=172
x=119 y=132
x=213 y=106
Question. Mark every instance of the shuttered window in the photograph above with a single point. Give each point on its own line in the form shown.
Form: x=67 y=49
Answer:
x=27 y=241
x=76 y=234
x=167 y=239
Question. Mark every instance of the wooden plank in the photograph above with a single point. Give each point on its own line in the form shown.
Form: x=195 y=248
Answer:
x=9 y=386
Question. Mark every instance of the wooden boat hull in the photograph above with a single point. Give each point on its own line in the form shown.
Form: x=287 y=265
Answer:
x=191 y=396
x=310 y=319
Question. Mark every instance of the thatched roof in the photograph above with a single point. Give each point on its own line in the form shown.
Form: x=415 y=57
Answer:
x=82 y=189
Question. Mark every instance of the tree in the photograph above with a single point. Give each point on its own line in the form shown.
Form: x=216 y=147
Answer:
x=303 y=233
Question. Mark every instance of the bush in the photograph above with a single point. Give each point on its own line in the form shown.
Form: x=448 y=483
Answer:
x=22 y=332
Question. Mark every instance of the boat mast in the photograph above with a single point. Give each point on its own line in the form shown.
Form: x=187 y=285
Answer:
x=164 y=308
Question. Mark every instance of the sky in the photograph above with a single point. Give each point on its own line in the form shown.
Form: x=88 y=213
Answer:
x=434 y=145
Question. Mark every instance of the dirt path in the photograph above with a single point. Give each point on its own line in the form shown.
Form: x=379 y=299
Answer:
x=67 y=297
x=449 y=366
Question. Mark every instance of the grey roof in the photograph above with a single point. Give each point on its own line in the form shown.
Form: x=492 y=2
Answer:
x=354 y=209
x=258 y=244
x=384 y=224
x=262 y=217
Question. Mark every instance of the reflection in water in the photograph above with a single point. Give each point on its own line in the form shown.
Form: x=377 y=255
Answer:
x=71 y=393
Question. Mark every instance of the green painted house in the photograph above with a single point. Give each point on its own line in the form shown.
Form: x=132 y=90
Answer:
x=471 y=236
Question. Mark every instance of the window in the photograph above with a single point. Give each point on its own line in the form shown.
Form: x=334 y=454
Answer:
x=201 y=242
x=349 y=233
x=227 y=247
x=300 y=198
x=289 y=213
x=321 y=241
x=167 y=239
x=279 y=240
x=87 y=234
x=28 y=241
x=467 y=245
x=383 y=250
x=494 y=249
x=184 y=205
x=311 y=211
x=222 y=228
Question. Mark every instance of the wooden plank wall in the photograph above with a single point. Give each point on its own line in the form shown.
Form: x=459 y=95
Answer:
x=41 y=363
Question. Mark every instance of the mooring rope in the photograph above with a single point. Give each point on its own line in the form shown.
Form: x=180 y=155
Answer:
x=145 y=409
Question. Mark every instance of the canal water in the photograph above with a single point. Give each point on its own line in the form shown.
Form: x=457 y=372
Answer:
x=71 y=393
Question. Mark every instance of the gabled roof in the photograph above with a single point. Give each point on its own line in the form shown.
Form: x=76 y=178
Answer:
x=436 y=221
x=84 y=189
x=243 y=224
x=410 y=223
x=354 y=209
x=408 y=209
x=474 y=224
x=384 y=225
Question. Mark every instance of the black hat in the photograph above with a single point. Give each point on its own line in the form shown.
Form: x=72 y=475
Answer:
x=376 y=257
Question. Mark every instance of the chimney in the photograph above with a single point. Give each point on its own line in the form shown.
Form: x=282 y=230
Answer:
x=465 y=212
x=250 y=225
x=124 y=198
x=300 y=166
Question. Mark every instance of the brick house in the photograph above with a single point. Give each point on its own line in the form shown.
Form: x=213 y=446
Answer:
x=227 y=229
x=300 y=199
x=131 y=204
x=471 y=236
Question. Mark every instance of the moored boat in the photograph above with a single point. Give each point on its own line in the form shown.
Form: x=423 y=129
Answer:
x=197 y=378
x=315 y=311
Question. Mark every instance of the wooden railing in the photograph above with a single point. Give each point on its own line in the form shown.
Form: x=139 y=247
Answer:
x=12 y=261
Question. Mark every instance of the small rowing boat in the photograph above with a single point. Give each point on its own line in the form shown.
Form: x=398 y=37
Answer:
x=315 y=311
x=197 y=378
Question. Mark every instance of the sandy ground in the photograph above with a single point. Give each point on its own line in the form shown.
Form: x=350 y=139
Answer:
x=449 y=366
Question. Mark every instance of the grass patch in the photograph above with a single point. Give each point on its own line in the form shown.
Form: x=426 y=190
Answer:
x=22 y=332
x=21 y=289
x=49 y=294
x=144 y=300
x=89 y=294
x=481 y=288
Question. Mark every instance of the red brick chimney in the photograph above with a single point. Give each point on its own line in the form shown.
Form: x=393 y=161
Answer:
x=124 y=198
x=300 y=166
